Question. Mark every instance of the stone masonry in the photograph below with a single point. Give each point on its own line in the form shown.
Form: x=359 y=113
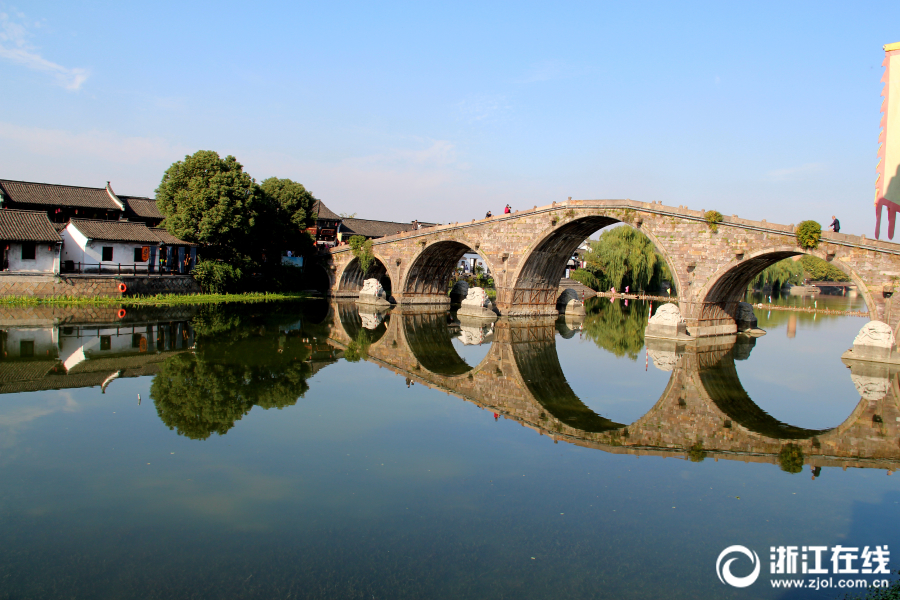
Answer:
x=527 y=250
x=78 y=286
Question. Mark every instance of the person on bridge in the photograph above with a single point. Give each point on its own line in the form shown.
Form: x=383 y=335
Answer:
x=507 y=210
x=835 y=224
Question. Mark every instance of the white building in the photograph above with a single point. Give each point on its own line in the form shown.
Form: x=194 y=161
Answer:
x=94 y=246
x=29 y=242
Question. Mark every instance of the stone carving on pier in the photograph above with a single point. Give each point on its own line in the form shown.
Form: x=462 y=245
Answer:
x=373 y=293
x=874 y=342
x=745 y=317
x=474 y=332
x=371 y=320
x=875 y=333
x=569 y=303
x=667 y=323
x=477 y=304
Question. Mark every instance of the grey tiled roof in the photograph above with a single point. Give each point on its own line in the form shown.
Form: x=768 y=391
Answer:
x=26 y=192
x=375 y=229
x=141 y=207
x=168 y=239
x=324 y=212
x=27 y=226
x=115 y=231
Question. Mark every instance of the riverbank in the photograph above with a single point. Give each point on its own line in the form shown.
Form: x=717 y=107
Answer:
x=157 y=300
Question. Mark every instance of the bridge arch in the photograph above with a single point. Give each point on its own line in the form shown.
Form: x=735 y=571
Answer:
x=428 y=276
x=351 y=278
x=429 y=339
x=536 y=281
x=729 y=284
x=353 y=323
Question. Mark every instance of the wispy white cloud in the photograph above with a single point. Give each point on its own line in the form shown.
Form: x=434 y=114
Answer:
x=482 y=108
x=106 y=145
x=796 y=173
x=14 y=47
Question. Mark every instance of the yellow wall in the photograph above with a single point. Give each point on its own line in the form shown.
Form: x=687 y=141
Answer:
x=891 y=188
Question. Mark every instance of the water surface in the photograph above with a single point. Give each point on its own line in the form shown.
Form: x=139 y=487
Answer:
x=310 y=451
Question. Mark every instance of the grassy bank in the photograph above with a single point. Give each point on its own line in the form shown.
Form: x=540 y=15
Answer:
x=158 y=300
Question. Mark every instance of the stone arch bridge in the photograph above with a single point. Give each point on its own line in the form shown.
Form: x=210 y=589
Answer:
x=703 y=411
x=527 y=251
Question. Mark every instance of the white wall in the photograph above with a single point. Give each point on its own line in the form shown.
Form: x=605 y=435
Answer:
x=78 y=249
x=45 y=342
x=45 y=261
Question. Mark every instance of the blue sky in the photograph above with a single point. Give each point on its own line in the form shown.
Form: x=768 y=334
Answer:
x=439 y=112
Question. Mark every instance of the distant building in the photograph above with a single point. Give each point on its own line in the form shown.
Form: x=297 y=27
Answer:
x=176 y=256
x=96 y=246
x=61 y=202
x=325 y=229
x=142 y=210
x=29 y=241
x=371 y=229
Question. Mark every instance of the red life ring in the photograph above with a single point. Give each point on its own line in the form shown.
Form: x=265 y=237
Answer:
x=122 y=287
x=121 y=313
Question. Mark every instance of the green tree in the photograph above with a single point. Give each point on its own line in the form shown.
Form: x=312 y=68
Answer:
x=240 y=360
x=210 y=200
x=623 y=256
x=777 y=275
x=820 y=270
x=614 y=327
x=287 y=213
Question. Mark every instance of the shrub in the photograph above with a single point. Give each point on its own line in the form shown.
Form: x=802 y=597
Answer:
x=808 y=234
x=216 y=277
x=791 y=458
x=362 y=250
x=713 y=218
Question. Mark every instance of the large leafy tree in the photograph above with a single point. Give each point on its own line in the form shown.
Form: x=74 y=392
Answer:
x=288 y=212
x=210 y=200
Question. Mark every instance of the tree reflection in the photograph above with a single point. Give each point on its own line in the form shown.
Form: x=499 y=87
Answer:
x=615 y=327
x=241 y=360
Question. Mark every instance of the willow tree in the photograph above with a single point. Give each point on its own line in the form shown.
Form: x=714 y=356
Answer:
x=622 y=256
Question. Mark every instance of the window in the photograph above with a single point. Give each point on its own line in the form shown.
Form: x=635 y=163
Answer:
x=138 y=255
x=107 y=254
x=26 y=348
x=29 y=250
x=105 y=342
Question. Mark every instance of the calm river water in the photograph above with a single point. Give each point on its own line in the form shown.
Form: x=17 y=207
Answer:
x=310 y=451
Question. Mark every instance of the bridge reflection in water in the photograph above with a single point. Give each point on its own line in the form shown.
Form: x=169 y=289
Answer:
x=704 y=411
x=212 y=365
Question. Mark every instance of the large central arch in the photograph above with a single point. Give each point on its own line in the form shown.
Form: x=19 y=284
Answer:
x=536 y=281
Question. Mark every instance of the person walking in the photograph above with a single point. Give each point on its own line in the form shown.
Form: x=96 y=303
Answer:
x=507 y=210
x=835 y=224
